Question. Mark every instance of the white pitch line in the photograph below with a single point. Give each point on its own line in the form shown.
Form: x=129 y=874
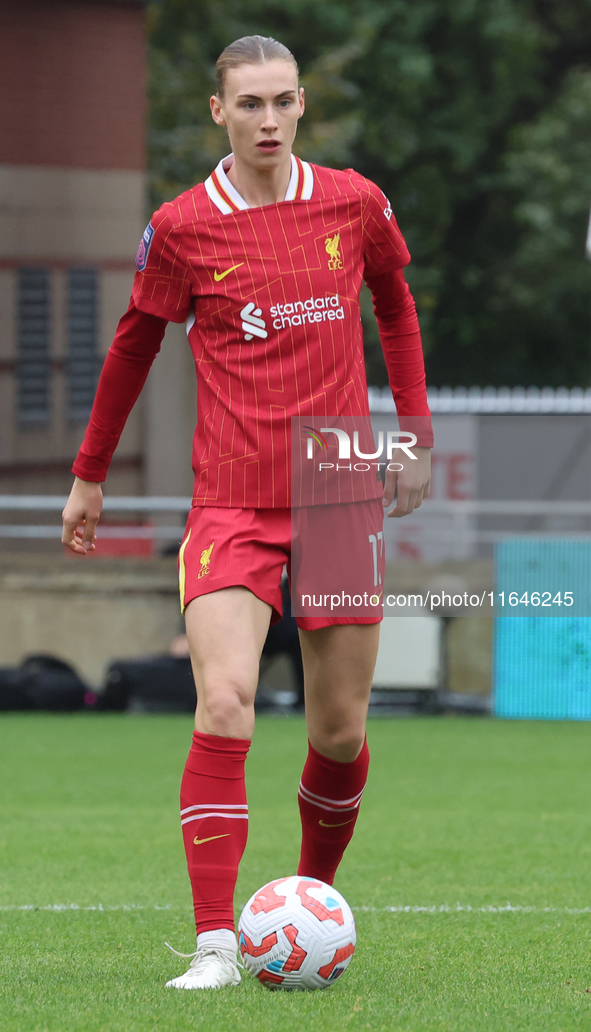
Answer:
x=442 y=908
x=67 y=907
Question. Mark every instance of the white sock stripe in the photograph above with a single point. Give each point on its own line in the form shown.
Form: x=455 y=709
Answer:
x=330 y=809
x=228 y=816
x=314 y=800
x=215 y=806
x=312 y=797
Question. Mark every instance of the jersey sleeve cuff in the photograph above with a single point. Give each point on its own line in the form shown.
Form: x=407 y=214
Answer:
x=86 y=469
x=145 y=304
x=420 y=426
x=388 y=264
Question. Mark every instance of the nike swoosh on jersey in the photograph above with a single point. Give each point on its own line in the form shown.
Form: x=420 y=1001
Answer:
x=221 y=275
x=324 y=825
x=200 y=841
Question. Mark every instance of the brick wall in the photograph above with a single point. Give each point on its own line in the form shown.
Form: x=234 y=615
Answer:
x=72 y=84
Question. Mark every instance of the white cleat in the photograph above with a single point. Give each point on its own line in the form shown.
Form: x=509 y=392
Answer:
x=211 y=967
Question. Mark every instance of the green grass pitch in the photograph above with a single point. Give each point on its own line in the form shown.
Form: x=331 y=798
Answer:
x=461 y=818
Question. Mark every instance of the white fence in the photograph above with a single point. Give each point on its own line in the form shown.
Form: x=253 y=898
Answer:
x=145 y=507
x=564 y=400
x=454 y=522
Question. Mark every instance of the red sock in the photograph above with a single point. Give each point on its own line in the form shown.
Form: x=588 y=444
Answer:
x=214 y=819
x=329 y=797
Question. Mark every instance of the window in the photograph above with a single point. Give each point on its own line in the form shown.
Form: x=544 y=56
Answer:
x=81 y=341
x=33 y=343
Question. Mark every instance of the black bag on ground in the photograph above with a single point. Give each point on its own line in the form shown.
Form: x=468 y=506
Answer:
x=161 y=684
x=14 y=685
x=42 y=683
x=54 y=685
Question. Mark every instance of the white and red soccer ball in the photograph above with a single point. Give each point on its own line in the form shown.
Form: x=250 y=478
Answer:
x=296 y=933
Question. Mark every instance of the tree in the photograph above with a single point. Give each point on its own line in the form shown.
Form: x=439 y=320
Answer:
x=472 y=115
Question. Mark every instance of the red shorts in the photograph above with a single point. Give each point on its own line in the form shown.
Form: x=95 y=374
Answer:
x=336 y=565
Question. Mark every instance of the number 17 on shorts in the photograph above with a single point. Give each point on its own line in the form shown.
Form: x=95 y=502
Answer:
x=338 y=560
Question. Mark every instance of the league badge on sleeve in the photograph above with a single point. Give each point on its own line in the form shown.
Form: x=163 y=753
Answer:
x=141 y=258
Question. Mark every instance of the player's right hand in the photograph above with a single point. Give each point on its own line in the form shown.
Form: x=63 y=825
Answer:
x=81 y=516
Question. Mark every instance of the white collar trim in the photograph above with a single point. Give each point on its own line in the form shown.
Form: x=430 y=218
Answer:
x=231 y=191
x=239 y=202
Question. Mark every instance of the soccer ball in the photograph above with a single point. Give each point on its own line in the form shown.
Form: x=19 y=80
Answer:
x=296 y=933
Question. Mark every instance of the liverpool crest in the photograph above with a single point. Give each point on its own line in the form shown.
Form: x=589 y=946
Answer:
x=332 y=249
x=204 y=560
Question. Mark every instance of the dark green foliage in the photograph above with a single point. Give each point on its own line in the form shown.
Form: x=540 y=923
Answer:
x=474 y=116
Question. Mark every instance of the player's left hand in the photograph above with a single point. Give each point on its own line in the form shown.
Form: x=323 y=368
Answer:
x=411 y=484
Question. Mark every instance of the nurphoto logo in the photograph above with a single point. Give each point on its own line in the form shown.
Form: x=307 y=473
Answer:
x=395 y=440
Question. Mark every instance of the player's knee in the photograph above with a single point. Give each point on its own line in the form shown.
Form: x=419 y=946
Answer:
x=340 y=743
x=226 y=705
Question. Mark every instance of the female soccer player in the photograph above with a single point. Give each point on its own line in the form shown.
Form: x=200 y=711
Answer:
x=264 y=262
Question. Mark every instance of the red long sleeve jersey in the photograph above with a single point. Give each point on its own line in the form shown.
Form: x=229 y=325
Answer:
x=270 y=297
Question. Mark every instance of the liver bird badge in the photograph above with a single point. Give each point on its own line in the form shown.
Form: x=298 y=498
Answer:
x=204 y=560
x=332 y=249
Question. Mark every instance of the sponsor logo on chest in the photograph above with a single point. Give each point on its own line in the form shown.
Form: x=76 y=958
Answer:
x=310 y=311
x=313 y=310
x=293 y=313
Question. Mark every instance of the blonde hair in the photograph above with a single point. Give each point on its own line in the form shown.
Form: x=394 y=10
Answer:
x=250 y=50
